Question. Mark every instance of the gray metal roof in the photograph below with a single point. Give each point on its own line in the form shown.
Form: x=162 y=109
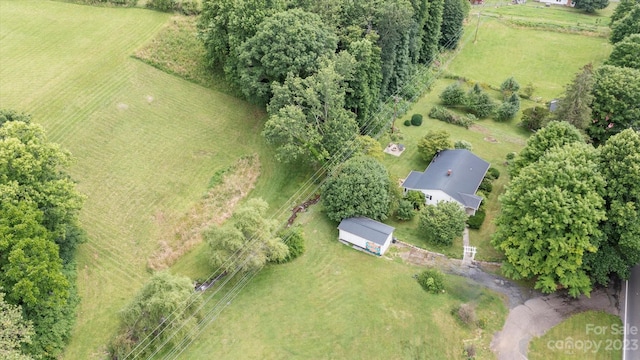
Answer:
x=367 y=228
x=467 y=172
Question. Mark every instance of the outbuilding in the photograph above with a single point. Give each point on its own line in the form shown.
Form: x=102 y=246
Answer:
x=366 y=234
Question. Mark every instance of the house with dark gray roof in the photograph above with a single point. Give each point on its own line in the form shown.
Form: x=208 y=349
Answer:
x=452 y=175
x=366 y=234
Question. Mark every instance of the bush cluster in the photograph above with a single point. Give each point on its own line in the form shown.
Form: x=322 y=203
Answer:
x=416 y=119
x=462 y=144
x=295 y=243
x=493 y=174
x=405 y=211
x=476 y=221
x=442 y=114
x=431 y=280
x=453 y=95
x=186 y=7
x=535 y=118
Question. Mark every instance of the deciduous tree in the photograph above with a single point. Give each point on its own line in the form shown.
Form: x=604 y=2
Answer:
x=549 y=219
x=14 y=331
x=616 y=103
x=433 y=142
x=591 y=6
x=620 y=248
x=162 y=314
x=247 y=241
x=555 y=134
x=443 y=222
x=626 y=53
x=289 y=42
x=627 y=25
x=359 y=187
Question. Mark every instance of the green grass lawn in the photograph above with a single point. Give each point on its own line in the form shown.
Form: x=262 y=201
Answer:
x=338 y=303
x=145 y=142
x=547 y=59
x=591 y=335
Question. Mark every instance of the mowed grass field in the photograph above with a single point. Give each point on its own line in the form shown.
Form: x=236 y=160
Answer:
x=334 y=302
x=547 y=59
x=145 y=142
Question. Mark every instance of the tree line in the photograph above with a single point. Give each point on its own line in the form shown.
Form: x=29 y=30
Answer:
x=570 y=216
x=39 y=232
x=322 y=69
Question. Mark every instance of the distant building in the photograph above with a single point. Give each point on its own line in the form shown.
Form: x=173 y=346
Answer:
x=366 y=234
x=559 y=2
x=452 y=175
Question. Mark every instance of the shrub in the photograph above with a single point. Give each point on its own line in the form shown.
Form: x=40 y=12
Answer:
x=462 y=144
x=295 y=243
x=509 y=87
x=442 y=114
x=476 y=221
x=470 y=351
x=431 y=280
x=493 y=173
x=405 y=211
x=453 y=95
x=433 y=142
x=479 y=103
x=486 y=186
x=162 y=5
x=407 y=122
x=511 y=156
x=466 y=313
x=416 y=119
x=528 y=90
x=416 y=198
x=535 y=118
x=506 y=111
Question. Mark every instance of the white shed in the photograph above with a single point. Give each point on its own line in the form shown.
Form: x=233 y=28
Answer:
x=367 y=234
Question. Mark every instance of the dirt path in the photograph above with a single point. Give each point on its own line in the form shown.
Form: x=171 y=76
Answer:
x=531 y=313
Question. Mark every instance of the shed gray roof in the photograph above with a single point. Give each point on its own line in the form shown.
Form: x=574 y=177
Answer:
x=467 y=172
x=367 y=228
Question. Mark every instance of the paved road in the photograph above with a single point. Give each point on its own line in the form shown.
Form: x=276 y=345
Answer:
x=632 y=316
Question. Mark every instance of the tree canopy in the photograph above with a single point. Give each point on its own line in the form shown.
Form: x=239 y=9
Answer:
x=555 y=134
x=616 y=102
x=289 y=42
x=626 y=53
x=549 y=219
x=591 y=6
x=359 y=187
x=14 y=331
x=620 y=248
x=247 y=241
x=165 y=310
x=39 y=231
x=433 y=142
x=443 y=222
x=453 y=15
x=626 y=25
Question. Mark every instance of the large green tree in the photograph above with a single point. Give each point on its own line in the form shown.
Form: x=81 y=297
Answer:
x=363 y=95
x=555 y=134
x=626 y=53
x=359 y=187
x=627 y=25
x=616 y=103
x=433 y=142
x=225 y=25
x=623 y=8
x=591 y=6
x=443 y=222
x=620 y=250
x=549 y=219
x=453 y=15
x=308 y=121
x=575 y=105
x=162 y=314
x=247 y=241
x=289 y=42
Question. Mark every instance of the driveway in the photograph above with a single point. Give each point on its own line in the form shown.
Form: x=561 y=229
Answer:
x=632 y=316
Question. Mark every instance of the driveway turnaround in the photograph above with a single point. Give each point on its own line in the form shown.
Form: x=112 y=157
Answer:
x=632 y=316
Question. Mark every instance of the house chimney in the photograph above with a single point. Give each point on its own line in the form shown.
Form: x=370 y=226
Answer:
x=449 y=172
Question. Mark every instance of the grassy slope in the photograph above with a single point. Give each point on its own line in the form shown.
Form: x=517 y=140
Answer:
x=335 y=302
x=146 y=142
x=598 y=329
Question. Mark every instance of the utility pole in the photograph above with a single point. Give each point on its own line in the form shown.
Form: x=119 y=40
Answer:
x=475 y=38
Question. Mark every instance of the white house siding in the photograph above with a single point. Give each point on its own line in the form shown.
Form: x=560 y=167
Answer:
x=433 y=197
x=364 y=243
